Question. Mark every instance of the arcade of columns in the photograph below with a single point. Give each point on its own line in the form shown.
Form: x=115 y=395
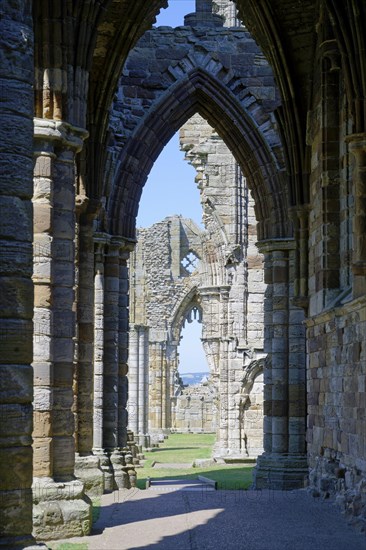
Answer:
x=291 y=109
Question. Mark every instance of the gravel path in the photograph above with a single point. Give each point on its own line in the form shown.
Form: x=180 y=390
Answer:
x=203 y=520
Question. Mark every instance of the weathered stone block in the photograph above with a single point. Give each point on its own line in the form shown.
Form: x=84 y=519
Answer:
x=15 y=218
x=16 y=341
x=16 y=467
x=64 y=455
x=16 y=383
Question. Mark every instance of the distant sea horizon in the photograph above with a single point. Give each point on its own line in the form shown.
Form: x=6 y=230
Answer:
x=192 y=378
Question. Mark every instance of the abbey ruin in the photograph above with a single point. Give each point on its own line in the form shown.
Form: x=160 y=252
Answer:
x=178 y=272
x=270 y=100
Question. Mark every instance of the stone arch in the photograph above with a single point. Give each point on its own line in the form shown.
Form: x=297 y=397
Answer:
x=200 y=92
x=252 y=371
x=184 y=304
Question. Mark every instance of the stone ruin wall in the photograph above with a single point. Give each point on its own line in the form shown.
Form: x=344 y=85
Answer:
x=336 y=325
x=195 y=409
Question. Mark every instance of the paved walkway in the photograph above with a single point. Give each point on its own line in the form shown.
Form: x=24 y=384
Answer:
x=206 y=519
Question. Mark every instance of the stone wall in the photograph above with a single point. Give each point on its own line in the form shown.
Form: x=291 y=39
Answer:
x=336 y=326
x=194 y=408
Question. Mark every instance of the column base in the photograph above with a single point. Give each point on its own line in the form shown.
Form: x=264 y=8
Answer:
x=144 y=441
x=280 y=472
x=106 y=468
x=133 y=448
x=60 y=509
x=120 y=471
x=88 y=470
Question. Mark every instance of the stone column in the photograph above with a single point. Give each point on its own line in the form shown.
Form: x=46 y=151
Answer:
x=279 y=355
x=112 y=293
x=297 y=372
x=163 y=390
x=357 y=146
x=56 y=492
x=147 y=443
x=283 y=465
x=268 y=333
x=100 y=341
x=138 y=381
x=98 y=346
x=16 y=288
x=300 y=218
x=133 y=357
x=87 y=466
x=141 y=382
x=155 y=398
x=123 y=346
x=110 y=429
x=111 y=335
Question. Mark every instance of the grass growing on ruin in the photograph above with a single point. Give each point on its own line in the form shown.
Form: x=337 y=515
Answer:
x=184 y=448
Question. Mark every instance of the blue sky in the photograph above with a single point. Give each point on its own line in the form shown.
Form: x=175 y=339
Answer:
x=173 y=16
x=171 y=189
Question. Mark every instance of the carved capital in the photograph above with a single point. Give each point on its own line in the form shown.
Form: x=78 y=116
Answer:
x=51 y=133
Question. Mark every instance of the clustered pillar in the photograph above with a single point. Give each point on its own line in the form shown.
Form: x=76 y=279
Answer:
x=87 y=465
x=110 y=362
x=60 y=507
x=283 y=464
x=123 y=327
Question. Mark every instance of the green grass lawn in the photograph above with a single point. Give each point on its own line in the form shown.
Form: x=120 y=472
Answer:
x=182 y=448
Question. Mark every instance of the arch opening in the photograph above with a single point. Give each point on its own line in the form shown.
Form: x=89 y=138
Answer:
x=200 y=93
x=213 y=274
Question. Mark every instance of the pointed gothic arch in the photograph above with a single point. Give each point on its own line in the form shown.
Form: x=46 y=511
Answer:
x=200 y=92
x=190 y=300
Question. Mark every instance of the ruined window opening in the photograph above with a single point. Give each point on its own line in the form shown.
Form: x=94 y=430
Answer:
x=194 y=314
x=192 y=357
x=190 y=262
x=160 y=198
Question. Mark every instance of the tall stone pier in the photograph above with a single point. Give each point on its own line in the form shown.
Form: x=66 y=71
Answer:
x=16 y=289
x=60 y=506
x=283 y=465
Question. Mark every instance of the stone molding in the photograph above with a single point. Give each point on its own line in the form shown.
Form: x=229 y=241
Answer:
x=351 y=306
x=271 y=245
x=69 y=136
